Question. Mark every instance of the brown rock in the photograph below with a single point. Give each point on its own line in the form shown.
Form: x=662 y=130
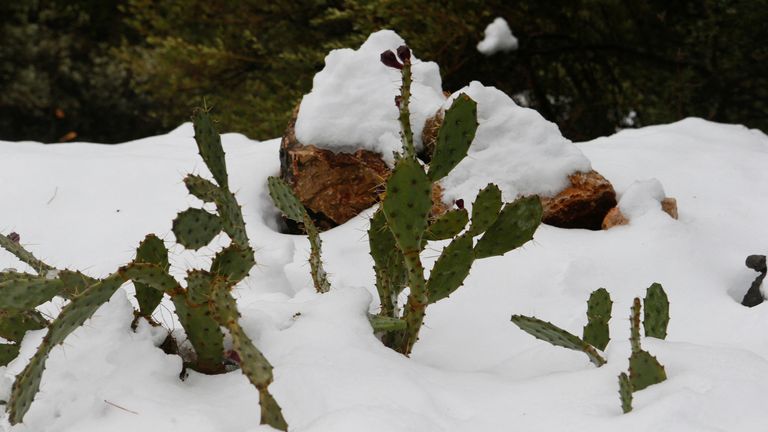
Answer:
x=669 y=205
x=334 y=187
x=583 y=204
x=614 y=218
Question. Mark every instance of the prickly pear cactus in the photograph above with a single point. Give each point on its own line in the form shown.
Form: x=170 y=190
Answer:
x=644 y=369
x=151 y=250
x=596 y=332
x=656 y=312
x=553 y=334
x=406 y=208
x=291 y=207
x=625 y=393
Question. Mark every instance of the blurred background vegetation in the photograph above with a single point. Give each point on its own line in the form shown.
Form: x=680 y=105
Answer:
x=115 y=70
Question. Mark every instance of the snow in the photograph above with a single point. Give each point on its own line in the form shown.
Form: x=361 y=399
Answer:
x=515 y=148
x=472 y=369
x=352 y=102
x=498 y=38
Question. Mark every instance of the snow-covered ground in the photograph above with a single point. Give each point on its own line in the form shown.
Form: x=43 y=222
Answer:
x=87 y=206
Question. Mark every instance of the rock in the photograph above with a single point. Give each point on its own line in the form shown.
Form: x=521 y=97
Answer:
x=583 y=204
x=669 y=205
x=334 y=187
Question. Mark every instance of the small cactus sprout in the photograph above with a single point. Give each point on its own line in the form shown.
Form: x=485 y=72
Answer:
x=655 y=312
x=625 y=393
x=644 y=369
x=553 y=334
x=596 y=332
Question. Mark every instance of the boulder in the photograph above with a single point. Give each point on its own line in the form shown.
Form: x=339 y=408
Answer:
x=582 y=204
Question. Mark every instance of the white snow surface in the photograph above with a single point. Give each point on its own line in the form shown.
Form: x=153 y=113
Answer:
x=641 y=197
x=498 y=38
x=352 y=102
x=87 y=206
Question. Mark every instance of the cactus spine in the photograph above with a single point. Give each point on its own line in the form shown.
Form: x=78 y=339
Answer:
x=403 y=218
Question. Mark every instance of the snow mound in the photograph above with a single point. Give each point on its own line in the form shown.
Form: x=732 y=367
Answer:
x=352 y=102
x=641 y=197
x=515 y=148
x=498 y=37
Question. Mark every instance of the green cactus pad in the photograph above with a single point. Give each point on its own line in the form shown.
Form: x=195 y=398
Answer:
x=13 y=275
x=8 y=352
x=151 y=250
x=625 y=393
x=386 y=323
x=319 y=277
x=514 y=227
x=209 y=145
x=645 y=370
x=151 y=276
x=549 y=332
x=26 y=293
x=202 y=329
x=74 y=282
x=389 y=264
x=597 y=332
x=407 y=204
x=15 y=324
x=232 y=218
x=485 y=209
x=634 y=322
x=24 y=255
x=447 y=226
x=253 y=364
x=454 y=137
x=233 y=262
x=451 y=269
x=72 y=316
x=202 y=188
x=285 y=200
x=656 y=312
x=195 y=228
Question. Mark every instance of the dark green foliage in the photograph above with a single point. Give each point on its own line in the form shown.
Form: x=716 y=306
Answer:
x=447 y=226
x=625 y=392
x=451 y=268
x=596 y=332
x=514 y=227
x=453 y=142
x=549 y=332
x=151 y=250
x=485 y=209
x=656 y=312
x=70 y=319
x=195 y=228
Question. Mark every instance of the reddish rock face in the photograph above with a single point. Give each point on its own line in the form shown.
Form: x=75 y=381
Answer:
x=583 y=204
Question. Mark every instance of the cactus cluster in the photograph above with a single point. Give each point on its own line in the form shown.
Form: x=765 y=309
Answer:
x=595 y=336
x=400 y=229
x=204 y=306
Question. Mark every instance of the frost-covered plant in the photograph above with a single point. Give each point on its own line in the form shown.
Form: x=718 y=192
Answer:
x=203 y=307
x=402 y=226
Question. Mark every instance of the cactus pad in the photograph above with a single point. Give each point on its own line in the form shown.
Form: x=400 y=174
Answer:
x=232 y=218
x=389 y=264
x=447 y=226
x=645 y=370
x=625 y=393
x=14 y=324
x=23 y=255
x=151 y=250
x=202 y=329
x=407 y=204
x=451 y=269
x=233 y=262
x=201 y=188
x=485 y=209
x=195 y=228
x=285 y=200
x=151 y=276
x=549 y=332
x=209 y=145
x=454 y=137
x=385 y=323
x=8 y=352
x=597 y=332
x=656 y=312
x=72 y=316
x=514 y=227
x=319 y=277
x=28 y=292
